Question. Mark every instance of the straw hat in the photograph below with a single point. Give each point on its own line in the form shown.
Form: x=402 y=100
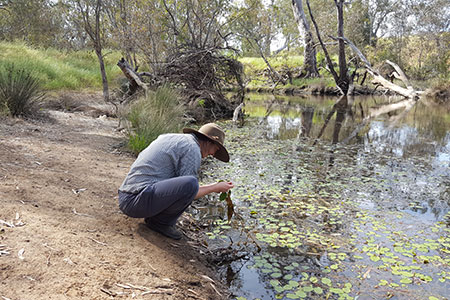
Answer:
x=216 y=135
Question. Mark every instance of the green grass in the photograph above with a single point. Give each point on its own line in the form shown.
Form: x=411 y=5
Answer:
x=148 y=117
x=60 y=70
x=258 y=63
x=254 y=67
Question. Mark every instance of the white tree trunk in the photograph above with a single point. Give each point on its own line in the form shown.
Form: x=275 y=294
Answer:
x=307 y=39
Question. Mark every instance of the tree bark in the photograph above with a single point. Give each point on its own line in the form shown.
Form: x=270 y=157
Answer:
x=309 y=52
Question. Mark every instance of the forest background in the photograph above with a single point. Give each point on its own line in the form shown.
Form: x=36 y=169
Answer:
x=203 y=47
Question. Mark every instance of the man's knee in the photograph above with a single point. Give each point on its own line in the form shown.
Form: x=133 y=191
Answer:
x=191 y=186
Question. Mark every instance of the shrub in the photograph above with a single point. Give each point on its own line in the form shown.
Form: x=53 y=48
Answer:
x=157 y=113
x=19 y=90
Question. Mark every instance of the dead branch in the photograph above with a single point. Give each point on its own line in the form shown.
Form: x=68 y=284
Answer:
x=325 y=51
x=400 y=75
x=133 y=78
x=389 y=108
x=378 y=79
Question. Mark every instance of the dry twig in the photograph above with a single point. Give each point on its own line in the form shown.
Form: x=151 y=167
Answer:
x=214 y=288
x=83 y=215
x=98 y=242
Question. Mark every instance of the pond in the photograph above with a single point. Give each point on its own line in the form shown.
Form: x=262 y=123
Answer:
x=334 y=199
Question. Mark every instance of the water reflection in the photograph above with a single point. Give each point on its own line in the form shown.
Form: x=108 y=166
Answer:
x=442 y=157
x=385 y=123
x=384 y=139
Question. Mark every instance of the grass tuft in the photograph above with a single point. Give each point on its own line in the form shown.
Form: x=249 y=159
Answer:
x=157 y=113
x=19 y=90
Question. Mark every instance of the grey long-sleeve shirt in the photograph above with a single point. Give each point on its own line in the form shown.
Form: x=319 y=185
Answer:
x=170 y=155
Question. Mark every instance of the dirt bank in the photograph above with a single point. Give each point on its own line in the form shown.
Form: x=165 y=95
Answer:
x=62 y=235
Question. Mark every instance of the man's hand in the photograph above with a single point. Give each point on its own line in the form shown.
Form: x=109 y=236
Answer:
x=218 y=187
x=223 y=187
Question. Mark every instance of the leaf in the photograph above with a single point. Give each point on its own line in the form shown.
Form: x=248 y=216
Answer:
x=276 y=275
x=279 y=289
x=301 y=294
x=406 y=280
x=326 y=281
x=383 y=282
x=334 y=267
x=374 y=258
x=318 y=290
x=222 y=196
x=288 y=277
x=307 y=288
x=274 y=283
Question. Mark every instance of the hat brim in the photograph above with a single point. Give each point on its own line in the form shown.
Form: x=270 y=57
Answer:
x=221 y=154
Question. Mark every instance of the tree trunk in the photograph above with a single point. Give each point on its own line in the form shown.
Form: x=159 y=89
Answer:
x=344 y=79
x=98 y=51
x=95 y=35
x=325 y=51
x=309 y=52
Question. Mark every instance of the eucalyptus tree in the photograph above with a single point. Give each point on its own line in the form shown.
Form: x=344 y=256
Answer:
x=357 y=23
x=90 y=15
x=432 y=28
x=309 y=52
x=35 y=22
x=255 y=27
x=379 y=12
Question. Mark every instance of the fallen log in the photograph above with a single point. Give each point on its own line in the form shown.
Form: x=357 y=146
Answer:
x=408 y=92
x=133 y=78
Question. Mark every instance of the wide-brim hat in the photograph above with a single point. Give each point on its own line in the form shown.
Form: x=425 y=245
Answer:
x=215 y=134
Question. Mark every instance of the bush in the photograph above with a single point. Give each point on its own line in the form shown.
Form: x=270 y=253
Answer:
x=439 y=91
x=19 y=90
x=157 y=113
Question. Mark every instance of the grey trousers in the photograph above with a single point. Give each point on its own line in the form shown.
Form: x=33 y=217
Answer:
x=162 y=202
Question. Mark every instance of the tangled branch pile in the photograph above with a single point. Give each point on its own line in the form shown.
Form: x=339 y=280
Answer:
x=201 y=75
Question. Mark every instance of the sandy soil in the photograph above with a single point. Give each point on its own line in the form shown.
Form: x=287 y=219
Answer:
x=62 y=235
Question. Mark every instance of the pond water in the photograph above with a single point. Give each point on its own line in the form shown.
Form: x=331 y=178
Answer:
x=334 y=199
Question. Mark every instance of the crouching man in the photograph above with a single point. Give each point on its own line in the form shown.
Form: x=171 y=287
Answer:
x=163 y=181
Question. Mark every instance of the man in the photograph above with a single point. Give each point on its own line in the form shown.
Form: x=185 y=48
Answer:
x=162 y=182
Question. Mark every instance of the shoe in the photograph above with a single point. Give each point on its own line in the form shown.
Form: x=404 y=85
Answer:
x=166 y=230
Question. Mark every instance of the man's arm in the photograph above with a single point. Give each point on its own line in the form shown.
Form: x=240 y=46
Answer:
x=219 y=187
